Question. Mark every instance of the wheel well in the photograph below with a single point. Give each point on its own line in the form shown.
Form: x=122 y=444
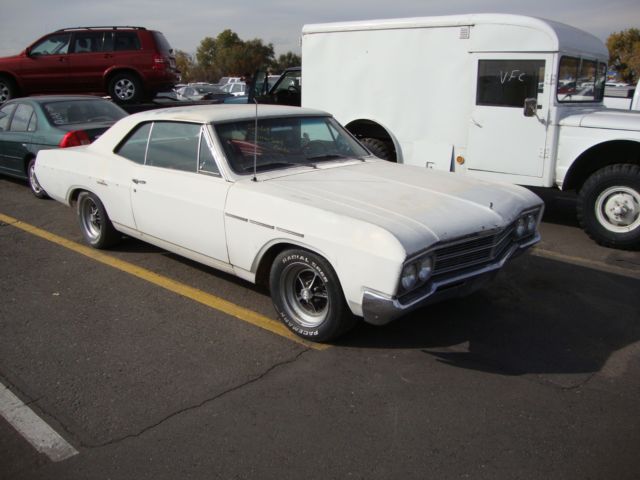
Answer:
x=599 y=156
x=27 y=159
x=113 y=73
x=264 y=267
x=13 y=79
x=371 y=129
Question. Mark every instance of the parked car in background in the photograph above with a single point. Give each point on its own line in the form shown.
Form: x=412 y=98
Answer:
x=127 y=63
x=224 y=80
x=236 y=88
x=28 y=125
x=286 y=197
x=201 y=92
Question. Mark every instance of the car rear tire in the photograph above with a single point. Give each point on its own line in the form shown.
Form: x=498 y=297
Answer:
x=34 y=185
x=308 y=297
x=8 y=88
x=379 y=148
x=95 y=224
x=125 y=88
x=609 y=206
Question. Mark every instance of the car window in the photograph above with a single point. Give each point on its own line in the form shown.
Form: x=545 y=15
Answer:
x=88 y=42
x=285 y=142
x=5 y=115
x=134 y=147
x=57 y=44
x=174 y=145
x=126 y=41
x=206 y=163
x=21 y=118
x=69 y=112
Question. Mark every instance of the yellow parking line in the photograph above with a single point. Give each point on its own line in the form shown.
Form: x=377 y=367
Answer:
x=199 y=296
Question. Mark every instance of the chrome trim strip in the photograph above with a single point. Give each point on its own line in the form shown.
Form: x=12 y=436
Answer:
x=242 y=219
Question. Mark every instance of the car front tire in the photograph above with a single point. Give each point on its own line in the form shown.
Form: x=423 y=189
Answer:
x=308 y=297
x=8 y=89
x=95 y=224
x=609 y=206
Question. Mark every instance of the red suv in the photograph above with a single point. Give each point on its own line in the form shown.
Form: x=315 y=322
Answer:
x=127 y=63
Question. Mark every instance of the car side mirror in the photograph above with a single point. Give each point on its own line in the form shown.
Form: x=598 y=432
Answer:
x=530 y=107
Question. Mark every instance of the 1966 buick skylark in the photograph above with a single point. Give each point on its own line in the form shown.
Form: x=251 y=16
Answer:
x=288 y=198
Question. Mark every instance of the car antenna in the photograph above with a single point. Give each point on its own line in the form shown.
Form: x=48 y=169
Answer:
x=255 y=143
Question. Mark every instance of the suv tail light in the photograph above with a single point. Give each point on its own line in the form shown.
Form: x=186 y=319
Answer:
x=74 y=138
x=159 y=62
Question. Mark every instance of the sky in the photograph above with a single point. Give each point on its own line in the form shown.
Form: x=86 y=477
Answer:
x=279 y=22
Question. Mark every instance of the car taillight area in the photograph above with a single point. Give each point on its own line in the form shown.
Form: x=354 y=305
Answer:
x=74 y=138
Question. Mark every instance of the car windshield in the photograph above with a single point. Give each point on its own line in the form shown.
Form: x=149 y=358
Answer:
x=69 y=112
x=285 y=142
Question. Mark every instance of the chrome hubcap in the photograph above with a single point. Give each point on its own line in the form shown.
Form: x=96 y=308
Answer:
x=305 y=295
x=125 y=89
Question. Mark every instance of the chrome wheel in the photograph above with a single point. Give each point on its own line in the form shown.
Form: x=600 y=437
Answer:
x=36 y=189
x=90 y=219
x=124 y=89
x=5 y=93
x=305 y=294
x=618 y=209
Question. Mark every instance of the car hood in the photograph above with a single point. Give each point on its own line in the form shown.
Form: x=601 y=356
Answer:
x=610 y=119
x=413 y=203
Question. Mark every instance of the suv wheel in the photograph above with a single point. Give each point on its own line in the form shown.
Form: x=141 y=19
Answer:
x=125 y=88
x=8 y=89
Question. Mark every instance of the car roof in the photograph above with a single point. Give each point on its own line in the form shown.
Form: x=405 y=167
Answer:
x=221 y=113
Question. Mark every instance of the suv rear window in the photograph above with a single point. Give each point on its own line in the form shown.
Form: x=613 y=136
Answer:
x=126 y=41
x=163 y=44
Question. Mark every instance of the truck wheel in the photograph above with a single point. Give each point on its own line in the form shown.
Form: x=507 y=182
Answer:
x=379 y=148
x=8 y=89
x=307 y=295
x=125 y=88
x=609 y=206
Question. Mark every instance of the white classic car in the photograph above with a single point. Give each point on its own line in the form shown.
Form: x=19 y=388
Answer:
x=288 y=198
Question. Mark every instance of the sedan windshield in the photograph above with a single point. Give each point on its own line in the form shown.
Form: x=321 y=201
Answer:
x=284 y=142
x=69 y=112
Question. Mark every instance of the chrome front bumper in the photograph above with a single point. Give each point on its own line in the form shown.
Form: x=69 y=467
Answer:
x=379 y=309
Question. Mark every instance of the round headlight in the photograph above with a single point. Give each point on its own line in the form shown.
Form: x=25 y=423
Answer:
x=521 y=228
x=531 y=223
x=425 y=268
x=409 y=277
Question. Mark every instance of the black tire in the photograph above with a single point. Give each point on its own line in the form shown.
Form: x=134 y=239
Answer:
x=379 y=148
x=125 y=88
x=609 y=206
x=32 y=181
x=95 y=224
x=307 y=296
x=8 y=89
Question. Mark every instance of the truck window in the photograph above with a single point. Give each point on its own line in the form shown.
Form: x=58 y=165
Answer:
x=506 y=83
x=580 y=80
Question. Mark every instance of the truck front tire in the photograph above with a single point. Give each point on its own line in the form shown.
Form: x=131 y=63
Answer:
x=379 y=148
x=609 y=206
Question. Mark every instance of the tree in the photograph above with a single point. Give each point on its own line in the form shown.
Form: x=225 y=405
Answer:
x=624 y=53
x=185 y=64
x=286 y=60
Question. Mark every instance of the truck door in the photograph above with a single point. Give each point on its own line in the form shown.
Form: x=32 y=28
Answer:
x=502 y=140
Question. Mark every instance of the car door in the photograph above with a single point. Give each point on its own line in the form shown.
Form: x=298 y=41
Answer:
x=178 y=195
x=45 y=68
x=502 y=140
x=15 y=139
x=89 y=60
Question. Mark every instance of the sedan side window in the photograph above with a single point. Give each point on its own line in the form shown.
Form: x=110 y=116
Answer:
x=5 y=116
x=22 y=118
x=174 y=145
x=135 y=146
x=206 y=163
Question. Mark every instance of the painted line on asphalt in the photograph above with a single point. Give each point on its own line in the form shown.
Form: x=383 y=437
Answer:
x=35 y=430
x=585 y=262
x=212 y=301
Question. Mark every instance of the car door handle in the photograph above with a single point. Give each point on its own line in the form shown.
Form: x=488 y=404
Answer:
x=138 y=181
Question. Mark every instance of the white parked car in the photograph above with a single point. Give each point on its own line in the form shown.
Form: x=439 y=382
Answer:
x=236 y=88
x=298 y=205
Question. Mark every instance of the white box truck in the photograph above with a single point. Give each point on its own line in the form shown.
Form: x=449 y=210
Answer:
x=500 y=97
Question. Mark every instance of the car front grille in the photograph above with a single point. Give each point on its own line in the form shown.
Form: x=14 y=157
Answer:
x=472 y=253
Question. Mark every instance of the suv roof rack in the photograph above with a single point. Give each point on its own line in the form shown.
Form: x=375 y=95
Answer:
x=110 y=27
